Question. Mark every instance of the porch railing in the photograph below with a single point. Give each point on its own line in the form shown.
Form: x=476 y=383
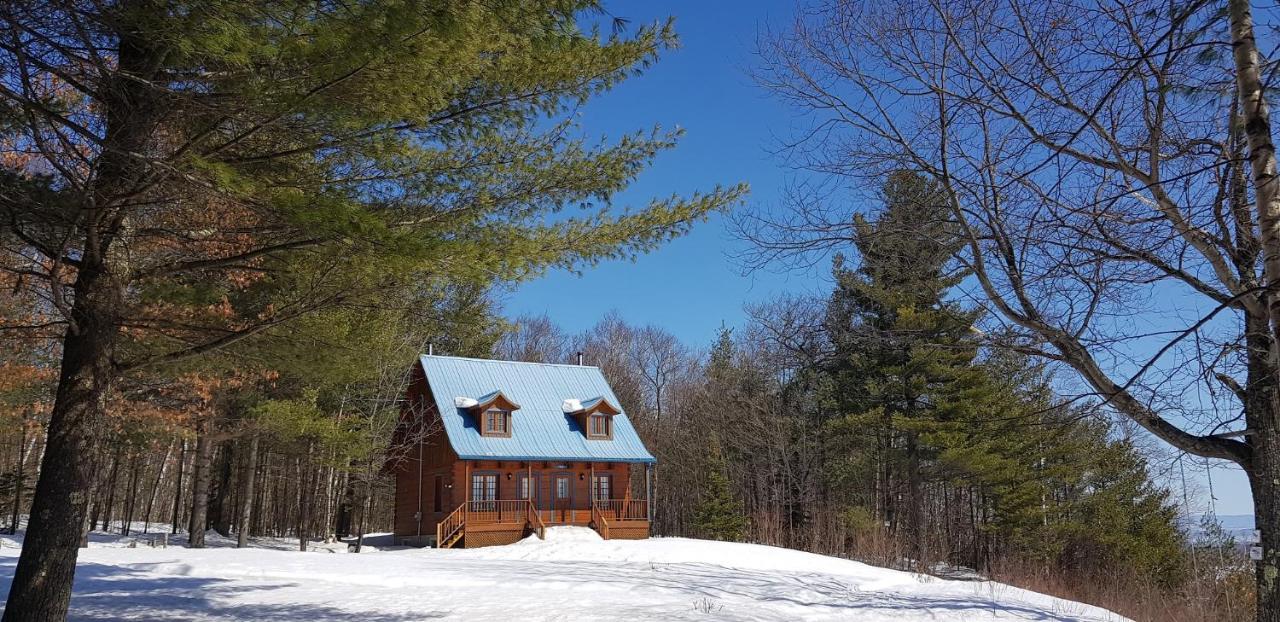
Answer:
x=449 y=529
x=534 y=520
x=599 y=520
x=604 y=513
x=622 y=509
x=499 y=511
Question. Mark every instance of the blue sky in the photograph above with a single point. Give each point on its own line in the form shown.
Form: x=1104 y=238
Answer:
x=692 y=285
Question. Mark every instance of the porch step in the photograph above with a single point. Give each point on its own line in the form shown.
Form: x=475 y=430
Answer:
x=449 y=541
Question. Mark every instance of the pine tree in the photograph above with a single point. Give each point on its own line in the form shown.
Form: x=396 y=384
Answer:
x=898 y=342
x=204 y=175
x=718 y=516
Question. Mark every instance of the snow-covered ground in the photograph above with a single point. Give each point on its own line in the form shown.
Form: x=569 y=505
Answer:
x=573 y=575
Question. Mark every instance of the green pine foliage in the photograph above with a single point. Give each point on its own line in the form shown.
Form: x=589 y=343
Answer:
x=718 y=515
x=917 y=403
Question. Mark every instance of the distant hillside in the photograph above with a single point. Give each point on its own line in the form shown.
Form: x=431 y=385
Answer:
x=1239 y=526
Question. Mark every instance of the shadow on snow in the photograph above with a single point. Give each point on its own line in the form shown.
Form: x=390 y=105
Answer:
x=109 y=592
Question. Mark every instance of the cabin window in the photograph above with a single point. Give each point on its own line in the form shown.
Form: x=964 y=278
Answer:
x=484 y=487
x=598 y=426
x=497 y=423
x=601 y=485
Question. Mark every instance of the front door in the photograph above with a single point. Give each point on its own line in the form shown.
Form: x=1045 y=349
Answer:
x=530 y=487
x=562 y=498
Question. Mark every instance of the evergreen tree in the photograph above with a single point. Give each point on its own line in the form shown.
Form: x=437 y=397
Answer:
x=718 y=516
x=204 y=173
x=898 y=342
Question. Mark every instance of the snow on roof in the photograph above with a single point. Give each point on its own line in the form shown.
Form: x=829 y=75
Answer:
x=541 y=429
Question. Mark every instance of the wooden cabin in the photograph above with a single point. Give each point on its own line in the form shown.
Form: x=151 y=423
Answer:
x=493 y=451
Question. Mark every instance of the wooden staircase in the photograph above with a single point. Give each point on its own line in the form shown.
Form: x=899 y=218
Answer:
x=620 y=518
x=517 y=518
x=450 y=530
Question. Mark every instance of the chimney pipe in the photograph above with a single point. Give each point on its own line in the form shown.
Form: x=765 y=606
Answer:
x=579 y=358
x=431 y=348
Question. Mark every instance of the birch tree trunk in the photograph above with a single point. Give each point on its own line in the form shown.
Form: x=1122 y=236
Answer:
x=1263 y=414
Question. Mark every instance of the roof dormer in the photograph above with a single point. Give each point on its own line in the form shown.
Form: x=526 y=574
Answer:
x=492 y=412
x=594 y=416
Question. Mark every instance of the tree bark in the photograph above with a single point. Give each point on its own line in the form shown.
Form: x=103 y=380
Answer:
x=1264 y=481
x=41 y=588
x=200 y=478
x=222 y=497
x=131 y=504
x=915 y=512
x=19 y=480
x=342 y=528
x=155 y=486
x=177 y=490
x=1262 y=408
x=364 y=513
x=246 y=501
x=111 y=492
x=304 y=502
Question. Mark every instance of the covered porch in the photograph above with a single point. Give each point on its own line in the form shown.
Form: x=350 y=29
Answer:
x=504 y=505
x=487 y=523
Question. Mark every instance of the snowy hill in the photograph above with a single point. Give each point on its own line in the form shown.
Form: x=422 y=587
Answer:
x=573 y=575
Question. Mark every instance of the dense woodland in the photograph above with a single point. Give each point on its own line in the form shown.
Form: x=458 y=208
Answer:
x=872 y=424
x=227 y=228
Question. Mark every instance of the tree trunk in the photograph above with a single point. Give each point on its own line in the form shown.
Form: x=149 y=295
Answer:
x=111 y=492
x=200 y=487
x=1264 y=481
x=41 y=587
x=1261 y=409
x=222 y=497
x=155 y=486
x=132 y=507
x=915 y=512
x=19 y=480
x=364 y=513
x=330 y=477
x=343 y=525
x=177 y=491
x=304 y=504
x=246 y=501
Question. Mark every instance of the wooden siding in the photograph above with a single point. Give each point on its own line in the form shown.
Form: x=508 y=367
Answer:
x=416 y=482
x=414 y=476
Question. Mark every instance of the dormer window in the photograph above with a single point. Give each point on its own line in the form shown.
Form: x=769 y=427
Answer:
x=599 y=426
x=492 y=413
x=595 y=416
x=497 y=422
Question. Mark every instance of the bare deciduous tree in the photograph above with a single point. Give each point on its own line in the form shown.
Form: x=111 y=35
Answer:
x=536 y=339
x=1112 y=168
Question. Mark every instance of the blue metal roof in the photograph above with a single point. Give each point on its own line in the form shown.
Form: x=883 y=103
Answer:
x=540 y=430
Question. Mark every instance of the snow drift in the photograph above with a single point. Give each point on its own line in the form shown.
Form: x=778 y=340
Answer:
x=573 y=575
